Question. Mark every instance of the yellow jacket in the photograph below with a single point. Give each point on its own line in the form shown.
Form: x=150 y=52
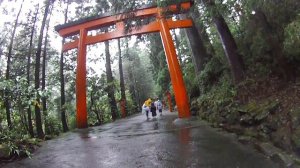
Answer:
x=148 y=102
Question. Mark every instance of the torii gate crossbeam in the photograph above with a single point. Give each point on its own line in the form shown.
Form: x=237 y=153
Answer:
x=161 y=24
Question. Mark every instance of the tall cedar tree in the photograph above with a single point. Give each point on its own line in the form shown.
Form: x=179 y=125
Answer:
x=228 y=42
x=62 y=80
x=196 y=45
x=30 y=126
x=7 y=75
x=122 y=83
x=195 y=15
x=38 y=118
x=110 y=83
x=44 y=99
x=102 y=7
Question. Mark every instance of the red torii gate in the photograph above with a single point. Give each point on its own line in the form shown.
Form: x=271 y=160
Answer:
x=161 y=24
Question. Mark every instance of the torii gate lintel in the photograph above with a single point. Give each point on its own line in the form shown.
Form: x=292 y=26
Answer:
x=161 y=24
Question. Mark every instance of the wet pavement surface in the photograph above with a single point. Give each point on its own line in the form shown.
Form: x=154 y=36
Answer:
x=139 y=143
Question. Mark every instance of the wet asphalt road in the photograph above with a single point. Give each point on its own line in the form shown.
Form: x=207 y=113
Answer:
x=139 y=143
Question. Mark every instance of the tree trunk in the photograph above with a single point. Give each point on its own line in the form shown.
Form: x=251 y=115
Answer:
x=110 y=85
x=23 y=118
x=231 y=50
x=30 y=126
x=228 y=42
x=44 y=99
x=177 y=44
x=62 y=92
x=62 y=81
x=38 y=118
x=122 y=83
x=198 y=50
x=7 y=75
x=202 y=31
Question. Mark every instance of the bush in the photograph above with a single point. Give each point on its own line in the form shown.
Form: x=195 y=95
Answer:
x=211 y=74
x=218 y=100
x=72 y=122
x=14 y=143
x=53 y=126
x=292 y=39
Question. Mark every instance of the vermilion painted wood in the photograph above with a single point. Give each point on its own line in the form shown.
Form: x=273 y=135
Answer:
x=161 y=25
x=119 y=32
x=96 y=24
x=81 y=113
x=175 y=71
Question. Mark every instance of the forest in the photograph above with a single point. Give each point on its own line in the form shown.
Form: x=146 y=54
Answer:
x=240 y=62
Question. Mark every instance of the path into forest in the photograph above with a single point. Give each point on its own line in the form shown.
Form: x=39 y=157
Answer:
x=135 y=142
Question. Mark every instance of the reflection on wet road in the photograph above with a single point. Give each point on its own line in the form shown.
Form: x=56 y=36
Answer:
x=139 y=143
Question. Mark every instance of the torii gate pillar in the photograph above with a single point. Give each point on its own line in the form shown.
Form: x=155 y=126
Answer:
x=81 y=109
x=181 y=98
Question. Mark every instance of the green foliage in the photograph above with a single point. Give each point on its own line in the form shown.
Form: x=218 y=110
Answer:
x=266 y=26
x=165 y=3
x=16 y=143
x=163 y=79
x=98 y=100
x=53 y=125
x=292 y=39
x=130 y=106
x=72 y=122
x=219 y=96
x=191 y=80
x=92 y=119
x=211 y=74
x=256 y=51
x=138 y=74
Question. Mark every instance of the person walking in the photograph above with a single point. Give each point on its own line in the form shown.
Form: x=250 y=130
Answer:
x=153 y=109
x=146 y=106
x=159 y=106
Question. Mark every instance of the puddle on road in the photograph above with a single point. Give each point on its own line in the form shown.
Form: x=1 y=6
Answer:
x=184 y=135
x=88 y=137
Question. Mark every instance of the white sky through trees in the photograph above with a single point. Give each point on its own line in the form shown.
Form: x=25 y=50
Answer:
x=9 y=9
